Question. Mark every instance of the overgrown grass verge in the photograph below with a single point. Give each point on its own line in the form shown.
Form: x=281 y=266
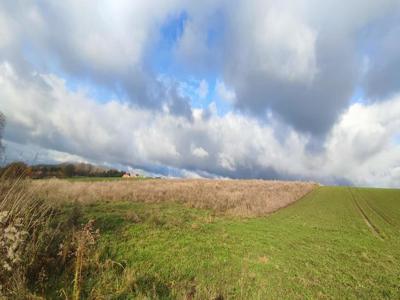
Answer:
x=25 y=235
x=39 y=243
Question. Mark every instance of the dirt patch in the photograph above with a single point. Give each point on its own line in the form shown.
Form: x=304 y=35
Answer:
x=263 y=259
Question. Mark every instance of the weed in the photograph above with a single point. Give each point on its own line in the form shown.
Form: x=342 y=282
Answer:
x=132 y=217
x=84 y=241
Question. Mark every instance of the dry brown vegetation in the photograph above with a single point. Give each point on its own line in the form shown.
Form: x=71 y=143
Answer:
x=24 y=233
x=34 y=244
x=232 y=197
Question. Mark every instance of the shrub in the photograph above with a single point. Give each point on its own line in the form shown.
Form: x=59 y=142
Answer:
x=16 y=170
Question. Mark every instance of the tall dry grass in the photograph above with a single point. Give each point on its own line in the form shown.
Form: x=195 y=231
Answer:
x=244 y=198
x=24 y=220
x=36 y=246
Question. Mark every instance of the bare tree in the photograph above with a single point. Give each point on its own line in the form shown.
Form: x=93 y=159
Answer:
x=2 y=124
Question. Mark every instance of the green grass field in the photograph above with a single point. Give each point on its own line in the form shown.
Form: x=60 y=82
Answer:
x=336 y=242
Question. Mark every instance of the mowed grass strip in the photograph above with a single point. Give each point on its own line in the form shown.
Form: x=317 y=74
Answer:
x=319 y=247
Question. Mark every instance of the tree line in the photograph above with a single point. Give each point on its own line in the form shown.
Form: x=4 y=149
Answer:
x=72 y=170
x=65 y=170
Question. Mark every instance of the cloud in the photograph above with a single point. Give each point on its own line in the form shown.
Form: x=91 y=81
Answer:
x=283 y=62
x=300 y=60
x=364 y=138
x=225 y=93
x=103 y=43
x=382 y=73
x=203 y=89
x=34 y=154
x=199 y=152
x=360 y=148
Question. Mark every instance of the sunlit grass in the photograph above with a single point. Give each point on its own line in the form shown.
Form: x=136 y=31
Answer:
x=320 y=247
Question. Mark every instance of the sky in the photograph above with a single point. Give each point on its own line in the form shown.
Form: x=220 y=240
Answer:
x=289 y=90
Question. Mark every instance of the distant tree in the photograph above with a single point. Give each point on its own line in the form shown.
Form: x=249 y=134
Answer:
x=68 y=170
x=113 y=173
x=16 y=170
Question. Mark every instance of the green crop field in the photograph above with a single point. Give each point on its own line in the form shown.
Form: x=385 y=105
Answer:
x=337 y=242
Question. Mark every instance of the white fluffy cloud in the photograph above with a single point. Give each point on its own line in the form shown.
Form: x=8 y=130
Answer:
x=43 y=112
x=107 y=36
x=364 y=143
x=276 y=39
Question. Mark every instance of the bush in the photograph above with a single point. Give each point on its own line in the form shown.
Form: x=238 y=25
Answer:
x=16 y=170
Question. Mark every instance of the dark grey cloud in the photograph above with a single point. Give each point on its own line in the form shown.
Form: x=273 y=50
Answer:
x=301 y=61
x=383 y=74
x=324 y=76
x=309 y=107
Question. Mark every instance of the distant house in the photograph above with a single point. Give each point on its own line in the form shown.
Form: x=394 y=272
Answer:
x=129 y=175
